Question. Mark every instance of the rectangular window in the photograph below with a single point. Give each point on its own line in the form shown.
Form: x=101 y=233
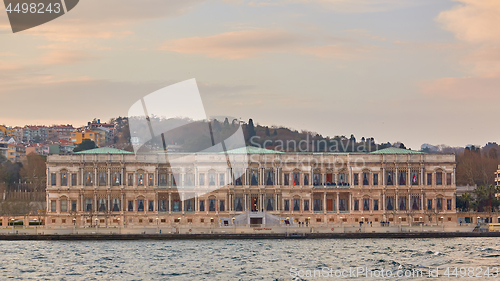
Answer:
x=375 y=179
x=306 y=205
x=162 y=205
x=287 y=179
x=414 y=177
x=287 y=205
x=163 y=179
x=140 y=205
x=389 y=203
x=366 y=176
x=74 y=180
x=429 y=204
x=296 y=204
x=448 y=204
x=102 y=178
x=402 y=203
x=221 y=206
x=375 y=205
x=356 y=205
x=150 y=179
x=189 y=205
x=130 y=179
x=448 y=179
x=439 y=178
x=102 y=205
x=211 y=179
x=115 y=178
x=342 y=205
x=366 y=204
x=53 y=179
x=356 y=179
x=202 y=205
x=439 y=203
x=306 y=179
x=238 y=177
x=269 y=203
x=64 y=205
x=221 y=179
x=140 y=179
x=317 y=179
x=202 y=179
x=269 y=177
x=238 y=204
x=176 y=178
x=64 y=179
x=150 y=205
x=402 y=178
x=254 y=175
x=318 y=205
x=389 y=176
x=88 y=205
x=73 y=205
x=296 y=179
x=116 y=205
x=53 y=205
x=211 y=205
x=429 y=178
x=130 y=206
x=415 y=203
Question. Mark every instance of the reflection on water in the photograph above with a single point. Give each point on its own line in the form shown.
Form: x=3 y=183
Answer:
x=234 y=259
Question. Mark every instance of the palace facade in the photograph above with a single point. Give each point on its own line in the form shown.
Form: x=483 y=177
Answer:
x=110 y=187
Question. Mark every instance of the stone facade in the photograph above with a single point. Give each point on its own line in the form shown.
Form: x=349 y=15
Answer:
x=121 y=189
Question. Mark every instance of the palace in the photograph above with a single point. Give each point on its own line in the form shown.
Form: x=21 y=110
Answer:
x=111 y=187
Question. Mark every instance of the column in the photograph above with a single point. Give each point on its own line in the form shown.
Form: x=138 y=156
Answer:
x=95 y=202
x=169 y=203
x=351 y=207
x=324 y=202
x=276 y=202
x=338 y=201
x=246 y=202
x=383 y=202
x=408 y=180
x=95 y=179
x=383 y=176
x=396 y=177
x=182 y=205
x=109 y=202
x=422 y=200
x=396 y=207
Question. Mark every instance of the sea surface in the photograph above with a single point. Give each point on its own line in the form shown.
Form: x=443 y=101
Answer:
x=293 y=259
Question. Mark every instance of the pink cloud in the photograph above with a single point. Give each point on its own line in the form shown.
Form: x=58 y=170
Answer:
x=250 y=43
x=462 y=87
x=475 y=21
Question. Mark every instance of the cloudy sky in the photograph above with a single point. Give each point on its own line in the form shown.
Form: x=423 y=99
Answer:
x=413 y=71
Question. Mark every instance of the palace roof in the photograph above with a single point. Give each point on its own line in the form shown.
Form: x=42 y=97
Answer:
x=394 y=150
x=104 y=150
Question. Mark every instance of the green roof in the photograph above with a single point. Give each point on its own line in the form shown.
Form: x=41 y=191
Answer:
x=252 y=150
x=394 y=150
x=104 y=150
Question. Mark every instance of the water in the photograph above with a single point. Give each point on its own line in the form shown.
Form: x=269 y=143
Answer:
x=239 y=259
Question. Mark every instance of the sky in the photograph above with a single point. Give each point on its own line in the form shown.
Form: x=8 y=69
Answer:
x=414 y=71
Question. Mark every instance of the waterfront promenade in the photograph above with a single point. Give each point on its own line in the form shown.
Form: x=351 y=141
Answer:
x=249 y=230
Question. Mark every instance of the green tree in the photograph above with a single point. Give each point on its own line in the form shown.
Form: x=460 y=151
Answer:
x=250 y=129
x=85 y=145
